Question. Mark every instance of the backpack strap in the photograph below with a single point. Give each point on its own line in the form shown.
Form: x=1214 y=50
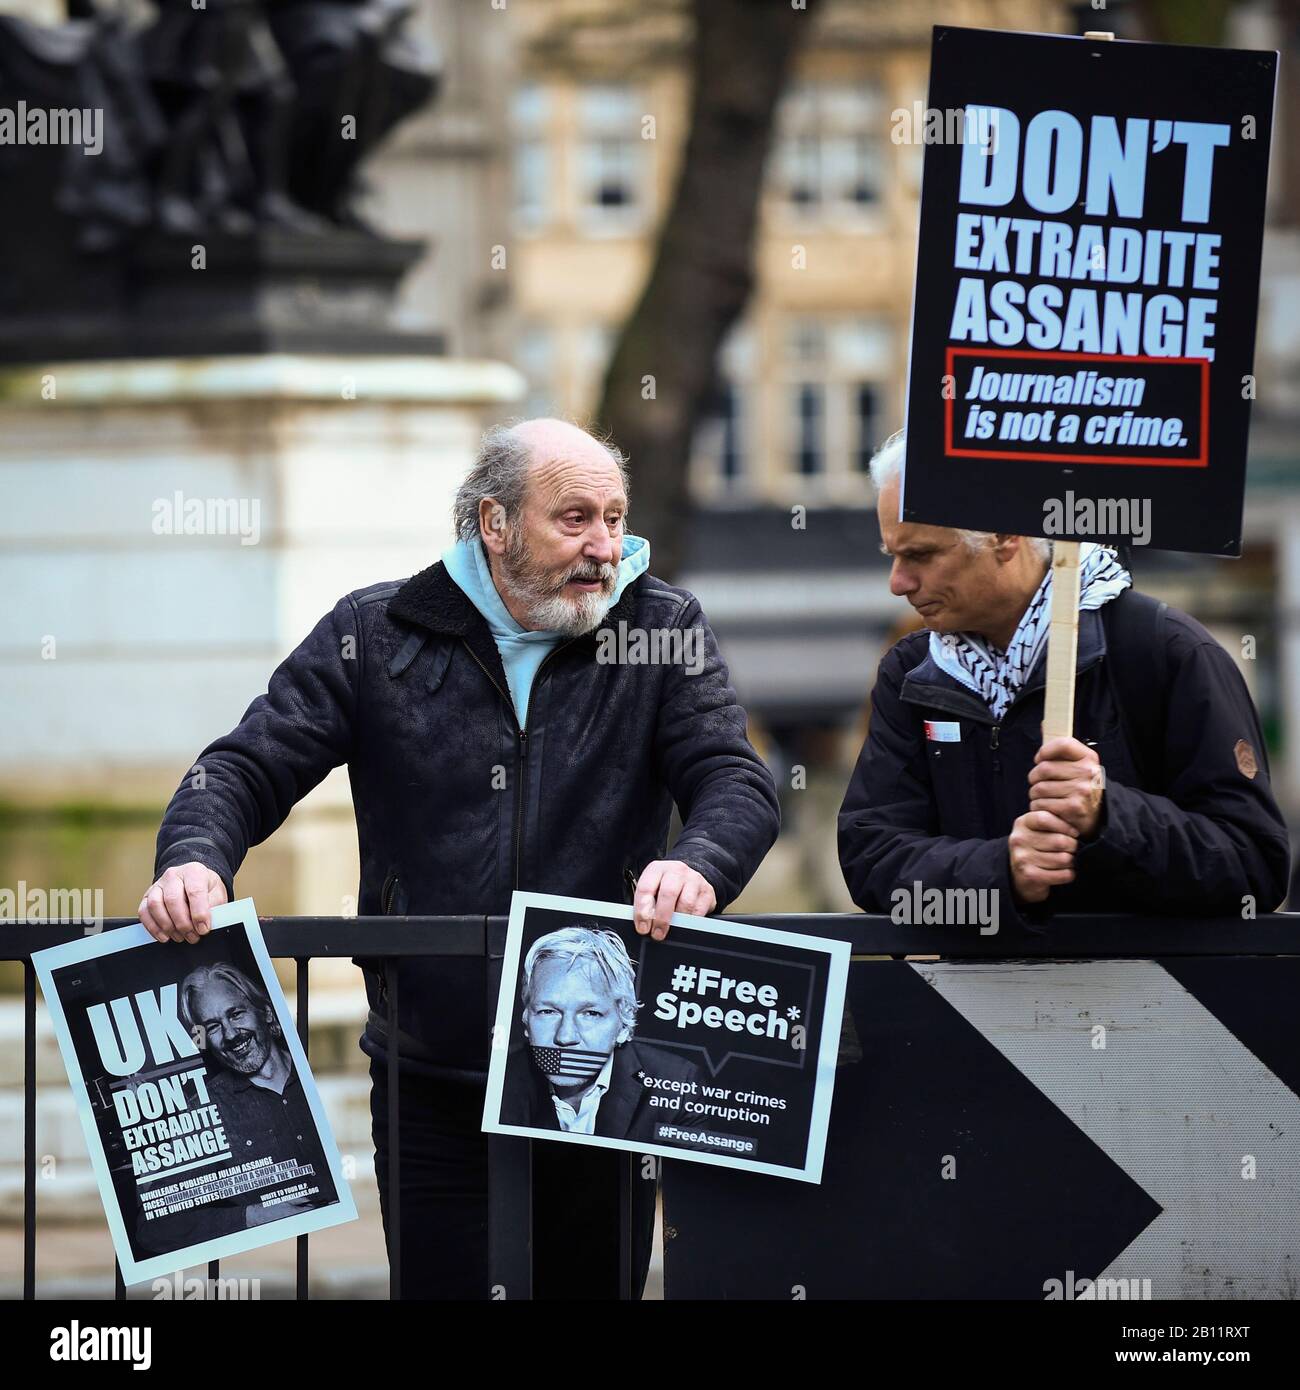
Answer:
x=1138 y=667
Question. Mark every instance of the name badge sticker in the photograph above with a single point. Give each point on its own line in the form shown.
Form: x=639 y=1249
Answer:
x=942 y=731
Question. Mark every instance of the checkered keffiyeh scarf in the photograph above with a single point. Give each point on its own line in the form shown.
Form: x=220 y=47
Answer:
x=997 y=676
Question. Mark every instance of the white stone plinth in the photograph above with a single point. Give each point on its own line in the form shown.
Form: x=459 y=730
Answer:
x=127 y=646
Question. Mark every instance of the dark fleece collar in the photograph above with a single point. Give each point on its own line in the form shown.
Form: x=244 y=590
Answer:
x=432 y=599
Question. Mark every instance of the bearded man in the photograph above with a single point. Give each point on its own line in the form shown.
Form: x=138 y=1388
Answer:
x=491 y=746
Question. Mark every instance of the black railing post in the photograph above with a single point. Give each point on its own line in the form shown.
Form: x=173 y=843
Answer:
x=626 y=1225
x=394 y=1141
x=29 y=1131
x=303 y=1003
x=510 y=1172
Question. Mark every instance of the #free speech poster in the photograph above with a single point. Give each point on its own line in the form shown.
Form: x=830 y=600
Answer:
x=716 y=1045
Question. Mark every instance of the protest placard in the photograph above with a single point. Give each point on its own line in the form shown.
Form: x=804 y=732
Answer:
x=206 y=1133
x=717 y=1044
x=1087 y=288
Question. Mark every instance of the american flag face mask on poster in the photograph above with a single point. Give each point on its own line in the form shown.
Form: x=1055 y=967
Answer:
x=569 y=1063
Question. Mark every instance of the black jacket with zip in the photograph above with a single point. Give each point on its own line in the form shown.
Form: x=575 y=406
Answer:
x=1193 y=832
x=456 y=806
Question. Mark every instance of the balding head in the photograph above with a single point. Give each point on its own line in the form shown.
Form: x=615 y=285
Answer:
x=510 y=457
x=547 y=500
x=551 y=441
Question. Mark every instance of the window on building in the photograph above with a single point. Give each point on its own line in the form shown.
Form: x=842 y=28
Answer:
x=721 y=451
x=836 y=371
x=728 y=413
x=866 y=425
x=809 y=428
x=831 y=148
x=534 y=356
x=530 y=115
x=911 y=156
x=611 y=158
x=593 y=347
x=720 y=442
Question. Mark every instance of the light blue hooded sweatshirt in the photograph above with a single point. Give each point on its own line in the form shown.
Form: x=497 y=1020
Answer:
x=523 y=651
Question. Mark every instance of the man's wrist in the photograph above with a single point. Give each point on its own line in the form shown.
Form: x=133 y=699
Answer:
x=1098 y=825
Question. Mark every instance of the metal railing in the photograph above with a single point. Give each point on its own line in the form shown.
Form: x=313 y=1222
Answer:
x=383 y=941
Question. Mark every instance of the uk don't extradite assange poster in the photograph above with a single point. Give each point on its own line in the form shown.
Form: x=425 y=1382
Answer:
x=1087 y=287
x=717 y=1044
x=206 y=1133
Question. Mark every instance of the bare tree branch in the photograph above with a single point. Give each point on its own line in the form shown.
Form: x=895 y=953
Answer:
x=703 y=271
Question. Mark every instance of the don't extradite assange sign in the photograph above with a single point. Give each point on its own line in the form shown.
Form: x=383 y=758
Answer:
x=1087 y=284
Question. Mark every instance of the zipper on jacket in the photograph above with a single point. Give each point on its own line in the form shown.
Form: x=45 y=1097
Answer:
x=522 y=732
x=519 y=795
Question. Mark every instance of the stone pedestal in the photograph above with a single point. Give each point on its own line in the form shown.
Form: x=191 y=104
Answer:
x=170 y=529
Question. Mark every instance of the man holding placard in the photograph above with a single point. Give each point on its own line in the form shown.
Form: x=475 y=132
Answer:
x=1160 y=802
x=494 y=744
x=1081 y=370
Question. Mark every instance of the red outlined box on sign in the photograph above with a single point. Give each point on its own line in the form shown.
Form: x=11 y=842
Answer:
x=1202 y=459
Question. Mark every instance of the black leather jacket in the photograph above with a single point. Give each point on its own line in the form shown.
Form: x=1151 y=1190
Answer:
x=1194 y=834
x=456 y=806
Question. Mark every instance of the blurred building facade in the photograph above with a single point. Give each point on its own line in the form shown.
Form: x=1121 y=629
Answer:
x=540 y=176
x=813 y=377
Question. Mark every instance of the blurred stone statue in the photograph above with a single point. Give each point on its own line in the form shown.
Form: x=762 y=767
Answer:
x=252 y=90
x=214 y=121
x=89 y=64
x=357 y=76
x=226 y=94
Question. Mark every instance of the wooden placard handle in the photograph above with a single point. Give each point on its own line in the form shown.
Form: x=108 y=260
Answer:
x=1062 y=642
x=1063 y=634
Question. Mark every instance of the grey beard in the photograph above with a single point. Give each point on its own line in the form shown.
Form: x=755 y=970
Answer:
x=571 y=617
x=552 y=611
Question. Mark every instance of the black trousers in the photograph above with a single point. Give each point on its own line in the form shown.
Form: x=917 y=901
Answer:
x=444 y=1206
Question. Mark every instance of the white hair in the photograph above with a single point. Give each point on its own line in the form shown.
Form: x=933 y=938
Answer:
x=601 y=952
x=887 y=464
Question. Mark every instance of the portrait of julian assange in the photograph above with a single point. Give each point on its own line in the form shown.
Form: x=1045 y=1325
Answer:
x=580 y=1069
x=252 y=1080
